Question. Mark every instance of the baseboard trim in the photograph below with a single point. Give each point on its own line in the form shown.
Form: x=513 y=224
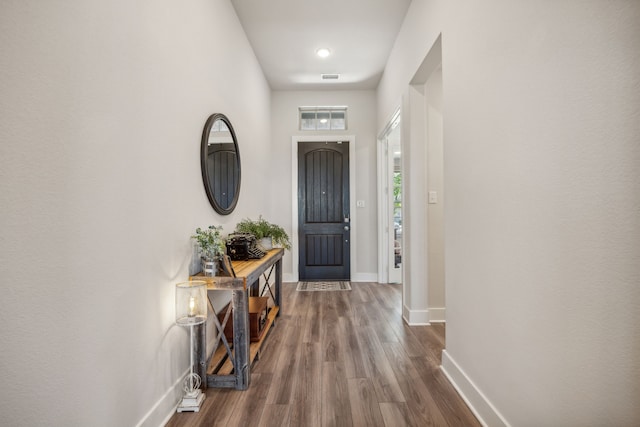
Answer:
x=415 y=317
x=437 y=315
x=365 y=277
x=165 y=407
x=481 y=407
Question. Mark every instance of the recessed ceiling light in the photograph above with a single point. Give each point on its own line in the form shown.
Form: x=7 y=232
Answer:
x=323 y=52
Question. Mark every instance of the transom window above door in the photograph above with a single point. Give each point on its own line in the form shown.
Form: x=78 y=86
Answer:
x=323 y=118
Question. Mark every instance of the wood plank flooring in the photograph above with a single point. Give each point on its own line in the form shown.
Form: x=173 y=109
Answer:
x=342 y=358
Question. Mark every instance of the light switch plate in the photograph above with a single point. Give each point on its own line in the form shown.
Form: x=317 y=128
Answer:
x=433 y=197
x=360 y=203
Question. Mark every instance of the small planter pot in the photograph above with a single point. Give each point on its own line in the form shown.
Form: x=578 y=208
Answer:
x=209 y=267
x=267 y=243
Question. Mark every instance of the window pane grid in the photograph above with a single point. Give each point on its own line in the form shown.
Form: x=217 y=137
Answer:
x=323 y=118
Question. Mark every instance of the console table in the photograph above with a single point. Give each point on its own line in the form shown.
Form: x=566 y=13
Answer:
x=229 y=365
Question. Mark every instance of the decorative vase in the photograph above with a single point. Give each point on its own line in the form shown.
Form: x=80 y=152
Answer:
x=209 y=267
x=267 y=243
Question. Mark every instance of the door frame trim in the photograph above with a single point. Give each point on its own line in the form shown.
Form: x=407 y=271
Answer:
x=384 y=236
x=295 y=252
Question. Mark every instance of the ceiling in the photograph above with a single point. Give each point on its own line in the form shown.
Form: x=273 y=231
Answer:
x=285 y=35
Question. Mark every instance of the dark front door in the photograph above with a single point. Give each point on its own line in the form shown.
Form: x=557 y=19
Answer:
x=323 y=210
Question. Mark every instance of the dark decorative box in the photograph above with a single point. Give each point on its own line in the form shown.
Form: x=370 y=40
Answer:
x=257 y=319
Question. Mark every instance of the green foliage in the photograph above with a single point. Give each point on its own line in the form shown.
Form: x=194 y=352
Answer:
x=397 y=186
x=210 y=241
x=397 y=190
x=262 y=228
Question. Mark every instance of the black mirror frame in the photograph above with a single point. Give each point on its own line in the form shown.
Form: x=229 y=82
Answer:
x=203 y=163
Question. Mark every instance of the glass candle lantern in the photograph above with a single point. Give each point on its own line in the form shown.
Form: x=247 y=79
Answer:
x=191 y=302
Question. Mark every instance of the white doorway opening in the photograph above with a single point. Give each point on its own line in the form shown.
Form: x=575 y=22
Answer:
x=390 y=205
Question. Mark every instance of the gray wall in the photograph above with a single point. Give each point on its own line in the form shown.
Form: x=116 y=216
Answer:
x=361 y=124
x=542 y=208
x=102 y=106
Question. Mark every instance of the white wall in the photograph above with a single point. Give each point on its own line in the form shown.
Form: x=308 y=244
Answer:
x=420 y=29
x=541 y=123
x=102 y=106
x=435 y=183
x=361 y=118
x=414 y=207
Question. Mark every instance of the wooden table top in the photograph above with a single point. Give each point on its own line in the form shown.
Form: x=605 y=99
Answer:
x=246 y=272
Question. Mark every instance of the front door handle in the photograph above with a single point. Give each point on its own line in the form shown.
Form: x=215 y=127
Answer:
x=346 y=227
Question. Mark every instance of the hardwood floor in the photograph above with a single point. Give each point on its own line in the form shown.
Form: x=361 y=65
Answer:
x=342 y=358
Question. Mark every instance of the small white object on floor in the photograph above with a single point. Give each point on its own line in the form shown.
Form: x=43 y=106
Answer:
x=191 y=403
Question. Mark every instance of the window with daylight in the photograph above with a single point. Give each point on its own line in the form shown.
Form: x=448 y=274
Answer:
x=323 y=118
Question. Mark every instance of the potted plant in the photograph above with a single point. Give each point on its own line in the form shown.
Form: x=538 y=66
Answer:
x=267 y=233
x=211 y=246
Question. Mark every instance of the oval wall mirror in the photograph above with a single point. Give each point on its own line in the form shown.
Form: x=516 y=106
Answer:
x=220 y=162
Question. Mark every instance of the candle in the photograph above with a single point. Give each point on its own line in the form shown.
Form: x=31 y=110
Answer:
x=192 y=306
